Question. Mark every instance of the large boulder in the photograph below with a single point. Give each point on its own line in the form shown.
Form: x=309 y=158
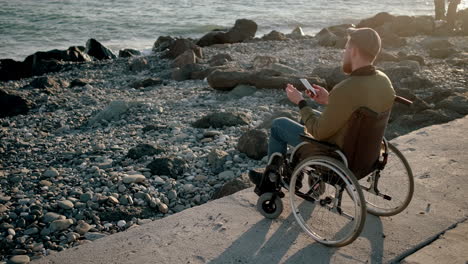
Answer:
x=127 y=53
x=12 y=105
x=138 y=64
x=435 y=43
x=222 y=119
x=170 y=166
x=179 y=46
x=192 y=72
x=332 y=75
x=244 y=29
x=188 y=57
x=95 y=49
x=13 y=70
x=220 y=59
x=326 y=38
x=254 y=143
x=376 y=21
x=226 y=80
x=162 y=43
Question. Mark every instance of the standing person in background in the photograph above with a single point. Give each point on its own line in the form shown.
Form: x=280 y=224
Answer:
x=452 y=13
x=439 y=6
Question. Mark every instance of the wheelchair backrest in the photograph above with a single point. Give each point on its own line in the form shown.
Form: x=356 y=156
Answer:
x=363 y=140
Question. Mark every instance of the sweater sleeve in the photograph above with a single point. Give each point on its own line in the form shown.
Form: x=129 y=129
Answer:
x=335 y=115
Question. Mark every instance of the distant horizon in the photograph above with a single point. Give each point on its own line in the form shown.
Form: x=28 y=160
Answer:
x=30 y=26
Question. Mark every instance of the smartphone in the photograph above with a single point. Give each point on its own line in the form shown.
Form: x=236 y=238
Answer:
x=308 y=86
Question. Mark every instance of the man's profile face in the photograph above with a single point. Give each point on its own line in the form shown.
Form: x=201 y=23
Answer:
x=347 y=66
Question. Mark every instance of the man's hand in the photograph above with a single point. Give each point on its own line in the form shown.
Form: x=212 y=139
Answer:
x=322 y=94
x=293 y=94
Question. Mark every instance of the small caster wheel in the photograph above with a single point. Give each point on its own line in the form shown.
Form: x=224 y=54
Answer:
x=269 y=206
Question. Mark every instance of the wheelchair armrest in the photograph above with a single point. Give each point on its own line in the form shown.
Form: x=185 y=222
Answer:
x=314 y=141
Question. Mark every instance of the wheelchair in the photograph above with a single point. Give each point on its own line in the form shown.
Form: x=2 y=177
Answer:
x=330 y=189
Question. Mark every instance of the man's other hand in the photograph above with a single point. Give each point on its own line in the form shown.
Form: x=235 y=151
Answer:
x=293 y=94
x=322 y=94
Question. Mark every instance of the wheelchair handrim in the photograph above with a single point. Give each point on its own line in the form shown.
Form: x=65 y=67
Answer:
x=359 y=204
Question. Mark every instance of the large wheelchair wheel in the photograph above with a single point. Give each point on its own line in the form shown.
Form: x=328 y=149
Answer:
x=388 y=192
x=327 y=202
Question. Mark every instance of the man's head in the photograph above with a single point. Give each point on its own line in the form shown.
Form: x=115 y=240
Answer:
x=362 y=48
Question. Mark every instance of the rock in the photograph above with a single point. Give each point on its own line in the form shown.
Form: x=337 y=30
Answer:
x=386 y=56
x=3 y=208
x=217 y=158
x=31 y=231
x=261 y=62
x=59 y=225
x=284 y=69
x=243 y=30
x=138 y=64
x=13 y=70
x=191 y=72
x=12 y=105
x=50 y=216
x=220 y=59
x=51 y=173
x=274 y=35
x=417 y=58
x=163 y=43
x=147 y=82
x=376 y=21
x=391 y=40
x=170 y=166
x=98 y=51
x=162 y=207
x=266 y=124
x=226 y=175
x=442 y=53
x=79 y=82
x=135 y=178
x=82 y=227
x=332 y=75
x=457 y=102
x=19 y=259
x=142 y=150
x=240 y=91
x=94 y=235
x=297 y=33
x=179 y=46
x=44 y=82
x=86 y=197
x=127 y=53
x=110 y=113
x=254 y=143
x=226 y=80
x=66 y=204
x=435 y=43
x=188 y=57
x=222 y=119
x=112 y=200
x=326 y=38
x=121 y=223
x=232 y=187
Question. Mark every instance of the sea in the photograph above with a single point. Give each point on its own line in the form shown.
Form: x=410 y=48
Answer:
x=27 y=26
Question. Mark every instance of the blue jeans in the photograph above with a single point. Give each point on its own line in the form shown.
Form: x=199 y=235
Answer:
x=284 y=132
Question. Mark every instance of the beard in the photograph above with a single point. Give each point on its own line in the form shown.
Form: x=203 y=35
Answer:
x=347 y=68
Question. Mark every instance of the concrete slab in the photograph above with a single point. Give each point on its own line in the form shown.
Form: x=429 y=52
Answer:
x=230 y=230
x=450 y=248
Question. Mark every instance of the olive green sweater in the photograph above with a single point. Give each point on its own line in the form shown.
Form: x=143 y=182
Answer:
x=373 y=91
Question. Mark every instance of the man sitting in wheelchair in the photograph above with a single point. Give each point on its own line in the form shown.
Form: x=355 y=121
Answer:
x=365 y=87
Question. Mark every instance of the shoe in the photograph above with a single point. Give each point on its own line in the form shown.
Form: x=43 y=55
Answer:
x=256 y=175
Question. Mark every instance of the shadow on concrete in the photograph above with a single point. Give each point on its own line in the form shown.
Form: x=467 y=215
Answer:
x=252 y=247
